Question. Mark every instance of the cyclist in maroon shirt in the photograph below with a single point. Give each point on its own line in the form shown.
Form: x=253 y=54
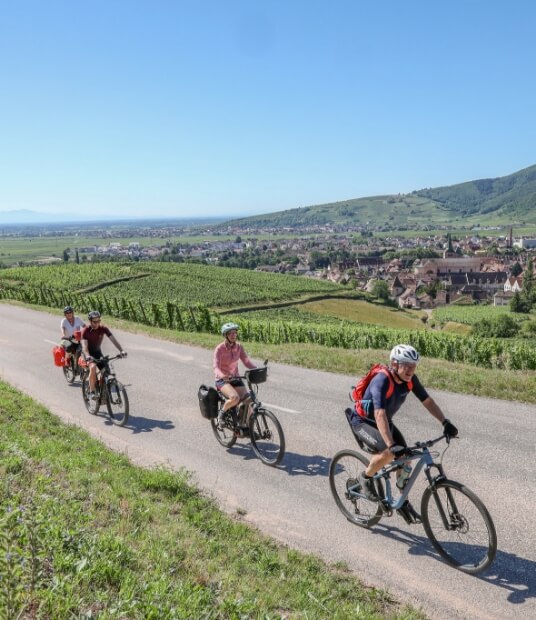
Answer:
x=92 y=337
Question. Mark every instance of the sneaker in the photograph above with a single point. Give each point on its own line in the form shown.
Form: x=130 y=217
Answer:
x=92 y=395
x=220 y=422
x=409 y=514
x=369 y=488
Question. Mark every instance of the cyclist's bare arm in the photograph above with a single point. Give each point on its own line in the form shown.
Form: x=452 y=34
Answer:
x=434 y=409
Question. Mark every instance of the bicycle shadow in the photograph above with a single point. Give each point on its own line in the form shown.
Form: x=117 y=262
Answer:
x=515 y=574
x=293 y=464
x=305 y=465
x=139 y=424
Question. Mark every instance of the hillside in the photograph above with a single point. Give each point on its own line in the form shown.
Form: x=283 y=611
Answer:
x=501 y=201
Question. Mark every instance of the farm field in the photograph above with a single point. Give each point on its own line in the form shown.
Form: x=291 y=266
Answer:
x=27 y=249
x=469 y=315
x=365 y=312
x=336 y=311
x=170 y=282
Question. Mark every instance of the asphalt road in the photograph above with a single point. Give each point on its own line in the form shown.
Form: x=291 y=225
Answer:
x=292 y=503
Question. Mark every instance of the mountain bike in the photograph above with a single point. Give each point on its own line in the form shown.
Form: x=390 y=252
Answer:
x=71 y=370
x=455 y=520
x=249 y=419
x=108 y=391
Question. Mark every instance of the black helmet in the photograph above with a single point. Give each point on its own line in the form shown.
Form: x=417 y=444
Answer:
x=68 y=309
x=94 y=314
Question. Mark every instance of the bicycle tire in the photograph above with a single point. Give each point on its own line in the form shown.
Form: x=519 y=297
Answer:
x=92 y=405
x=344 y=471
x=267 y=438
x=117 y=402
x=469 y=545
x=69 y=371
x=226 y=436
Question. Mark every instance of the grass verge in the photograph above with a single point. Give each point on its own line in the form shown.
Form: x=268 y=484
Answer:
x=86 y=534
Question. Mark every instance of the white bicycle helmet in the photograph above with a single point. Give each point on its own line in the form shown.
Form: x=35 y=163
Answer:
x=405 y=354
x=228 y=327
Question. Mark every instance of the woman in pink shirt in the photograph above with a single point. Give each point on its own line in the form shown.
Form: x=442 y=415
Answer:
x=226 y=358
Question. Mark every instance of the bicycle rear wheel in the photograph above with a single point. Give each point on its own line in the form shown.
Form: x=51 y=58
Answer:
x=91 y=404
x=459 y=526
x=117 y=402
x=344 y=472
x=226 y=435
x=267 y=439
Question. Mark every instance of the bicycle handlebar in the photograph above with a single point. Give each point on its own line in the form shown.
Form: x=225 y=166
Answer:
x=245 y=375
x=107 y=358
x=419 y=445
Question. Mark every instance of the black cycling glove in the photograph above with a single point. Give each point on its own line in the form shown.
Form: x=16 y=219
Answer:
x=449 y=429
x=397 y=451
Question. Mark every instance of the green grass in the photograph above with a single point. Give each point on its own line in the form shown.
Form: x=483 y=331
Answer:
x=334 y=310
x=86 y=534
x=365 y=312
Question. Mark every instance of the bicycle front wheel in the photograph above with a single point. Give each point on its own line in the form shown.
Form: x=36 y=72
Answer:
x=69 y=371
x=117 y=402
x=344 y=472
x=267 y=439
x=91 y=404
x=459 y=526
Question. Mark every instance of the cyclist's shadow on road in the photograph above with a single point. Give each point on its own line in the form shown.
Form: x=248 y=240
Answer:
x=305 y=465
x=139 y=424
x=515 y=574
x=292 y=463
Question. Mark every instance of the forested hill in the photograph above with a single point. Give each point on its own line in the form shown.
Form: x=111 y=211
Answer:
x=513 y=196
x=504 y=200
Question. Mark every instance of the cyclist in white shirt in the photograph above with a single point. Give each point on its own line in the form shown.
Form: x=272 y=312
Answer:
x=69 y=324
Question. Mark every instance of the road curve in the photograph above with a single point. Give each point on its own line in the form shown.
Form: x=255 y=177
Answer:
x=292 y=503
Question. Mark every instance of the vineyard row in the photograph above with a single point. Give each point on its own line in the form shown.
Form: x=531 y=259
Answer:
x=485 y=352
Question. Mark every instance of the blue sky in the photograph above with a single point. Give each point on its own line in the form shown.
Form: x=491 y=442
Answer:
x=203 y=108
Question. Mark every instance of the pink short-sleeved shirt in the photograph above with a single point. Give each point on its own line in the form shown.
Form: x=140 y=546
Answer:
x=226 y=360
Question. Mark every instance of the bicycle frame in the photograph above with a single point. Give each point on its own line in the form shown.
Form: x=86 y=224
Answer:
x=249 y=399
x=420 y=453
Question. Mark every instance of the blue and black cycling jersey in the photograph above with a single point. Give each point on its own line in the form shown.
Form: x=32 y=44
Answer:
x=375 y=396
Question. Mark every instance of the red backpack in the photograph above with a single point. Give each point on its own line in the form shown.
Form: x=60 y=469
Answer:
x=359 y=390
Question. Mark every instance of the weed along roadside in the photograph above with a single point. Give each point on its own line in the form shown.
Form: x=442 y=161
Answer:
x=84 y=533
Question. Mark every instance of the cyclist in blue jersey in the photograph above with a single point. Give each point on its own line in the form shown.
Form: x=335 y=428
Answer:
x=383 y=397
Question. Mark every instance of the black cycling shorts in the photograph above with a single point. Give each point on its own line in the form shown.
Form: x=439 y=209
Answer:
x=368 y=433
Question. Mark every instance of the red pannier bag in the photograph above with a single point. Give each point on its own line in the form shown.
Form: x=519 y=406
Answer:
x=58 y=353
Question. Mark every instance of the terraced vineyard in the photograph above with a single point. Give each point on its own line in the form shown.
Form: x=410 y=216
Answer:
x=470 y=315
x=187 y=284
x=184 y=297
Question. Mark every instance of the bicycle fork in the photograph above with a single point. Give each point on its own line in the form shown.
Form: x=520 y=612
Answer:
x=451 y=517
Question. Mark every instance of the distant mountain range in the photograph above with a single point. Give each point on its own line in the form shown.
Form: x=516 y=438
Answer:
x=509 y=200
x=26 y=217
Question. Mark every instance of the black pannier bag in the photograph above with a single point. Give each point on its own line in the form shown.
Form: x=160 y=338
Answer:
x=208 y=401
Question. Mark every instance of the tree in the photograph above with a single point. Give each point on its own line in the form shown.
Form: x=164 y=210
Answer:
x=528 y=280
x=380 y=289
x=77 y=258
x=516 y=270
x=66 y=255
